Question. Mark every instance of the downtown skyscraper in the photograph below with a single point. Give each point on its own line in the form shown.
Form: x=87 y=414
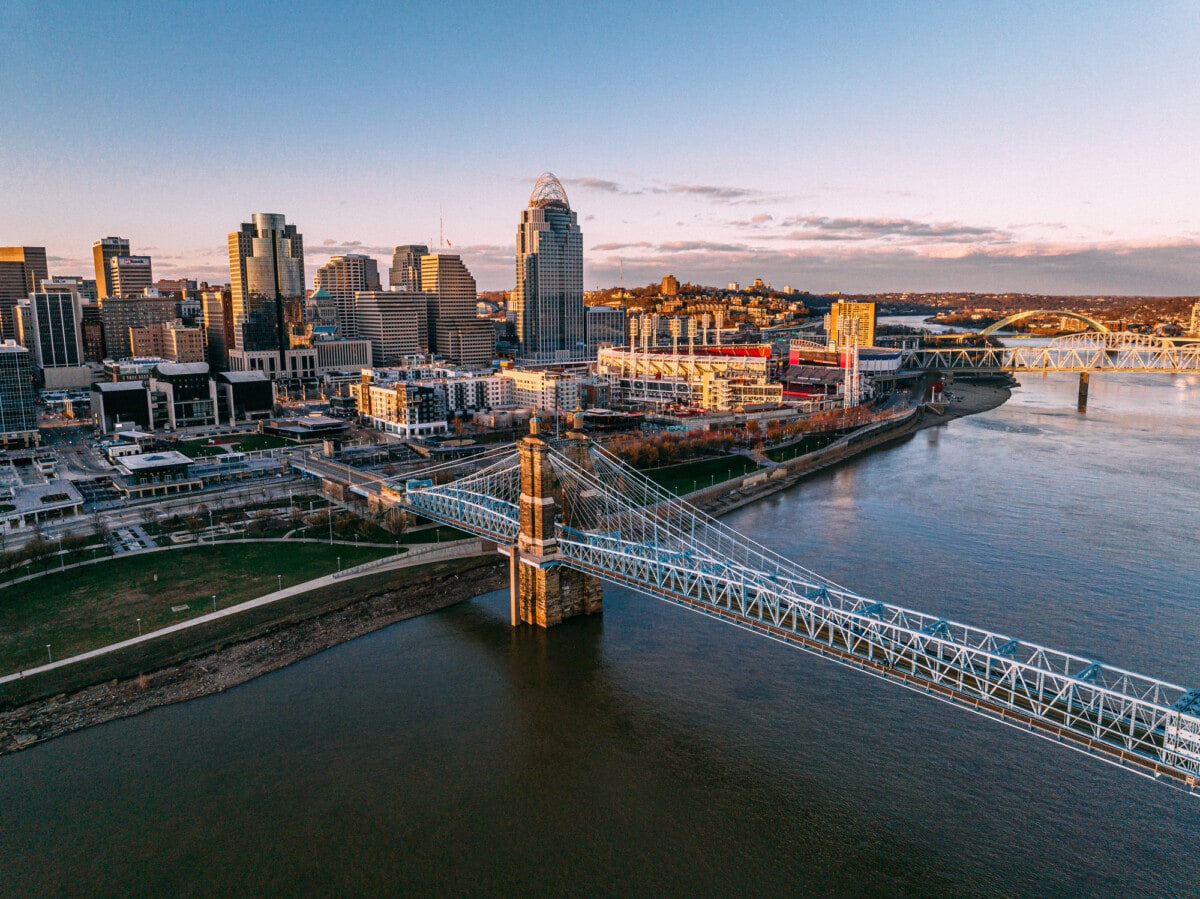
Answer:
x=547 y=304
x=104 y=251
x=266 y=270
x=341 y=278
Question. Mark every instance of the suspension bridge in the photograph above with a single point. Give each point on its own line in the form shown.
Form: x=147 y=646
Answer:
x=568 y=514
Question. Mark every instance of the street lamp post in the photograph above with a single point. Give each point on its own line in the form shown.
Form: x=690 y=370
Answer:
x=214 y=602
x=279 y=577
x=139 y=621
x=49 y=654
x=339 y=564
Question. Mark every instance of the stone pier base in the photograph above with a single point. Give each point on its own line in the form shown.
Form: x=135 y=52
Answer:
x=550 y=596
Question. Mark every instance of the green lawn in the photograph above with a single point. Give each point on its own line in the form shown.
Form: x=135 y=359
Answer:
x=172 y=648
x=807 y=445
x=690 y=476
x=243 y=443
x=93 y=606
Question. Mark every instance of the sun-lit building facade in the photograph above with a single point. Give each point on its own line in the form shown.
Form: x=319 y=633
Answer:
x=547 y=305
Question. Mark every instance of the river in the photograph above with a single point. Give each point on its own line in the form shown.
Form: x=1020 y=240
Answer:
x=653 y=751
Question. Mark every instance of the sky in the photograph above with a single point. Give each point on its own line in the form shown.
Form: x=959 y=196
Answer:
x=853 y=146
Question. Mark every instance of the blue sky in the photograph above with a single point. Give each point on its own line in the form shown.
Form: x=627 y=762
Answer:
x=839 y=146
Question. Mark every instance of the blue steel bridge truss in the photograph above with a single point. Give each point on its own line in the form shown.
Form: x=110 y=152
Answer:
x=620 y=526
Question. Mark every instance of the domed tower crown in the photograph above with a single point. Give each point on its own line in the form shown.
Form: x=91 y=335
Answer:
x=548 y=191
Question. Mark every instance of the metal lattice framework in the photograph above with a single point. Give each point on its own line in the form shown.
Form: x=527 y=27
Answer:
x=620 y=526
x=1112 y=351
x=1038 y=313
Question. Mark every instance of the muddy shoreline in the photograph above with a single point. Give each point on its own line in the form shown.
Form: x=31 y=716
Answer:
x=239 y=662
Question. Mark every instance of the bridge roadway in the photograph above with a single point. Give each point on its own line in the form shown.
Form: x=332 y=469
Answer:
x=616 y=524
x=1107 y=352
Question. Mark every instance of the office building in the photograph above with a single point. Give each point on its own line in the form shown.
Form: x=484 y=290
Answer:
x=168 y=340
x=119 y=314
x=216 y=341
x=670 y=286
x=85 y=287
x=297 y=364
x=547 y=391
x=341 y=278
x=130 y=276
x=55 y=334
x=93 y=334
x=104 y=251
x=18 y=410
x=266 y=262
x=851 y=323
x=22 y=271
x=405 y=273
x=454 y=332
x=547 y=304
x=605 y=328
x=186 y=393
x=395 y=322
x=342 y=354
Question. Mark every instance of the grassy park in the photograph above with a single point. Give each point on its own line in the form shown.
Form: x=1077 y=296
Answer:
x=92 y=606
x=242 y=443
x=203 y=638
x=689 y=476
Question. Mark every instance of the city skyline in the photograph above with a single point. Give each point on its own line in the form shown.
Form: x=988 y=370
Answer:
x=857 y=148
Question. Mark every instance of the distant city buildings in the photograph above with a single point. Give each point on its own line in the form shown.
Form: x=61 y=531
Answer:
x=171 y=340
x=405 y=273
x=547 y=303
x=120 y=314
x=54 y=334
x=340 y=279
x=22 y=271
x=670 y=286
x=395 y=322
x=851 y=323
x=454 y=331
x=130 y=276
x=266 y=268
x=104 y=251
x=18 y=409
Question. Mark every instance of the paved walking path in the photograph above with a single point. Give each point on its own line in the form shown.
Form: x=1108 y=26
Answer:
x=459 y=549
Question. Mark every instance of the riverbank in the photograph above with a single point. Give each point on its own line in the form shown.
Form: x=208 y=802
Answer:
x=260 y=648
x=971 y=398
x=257 y=648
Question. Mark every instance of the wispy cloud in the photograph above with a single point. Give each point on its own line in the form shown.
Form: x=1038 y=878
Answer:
x=1163 y=266
x=826 y=228
x=600 y=184
x=716 y=193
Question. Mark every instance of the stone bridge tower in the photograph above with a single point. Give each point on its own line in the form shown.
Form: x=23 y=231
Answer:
x=544 y=591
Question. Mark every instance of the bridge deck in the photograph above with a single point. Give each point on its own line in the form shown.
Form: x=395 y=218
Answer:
x=618 y=525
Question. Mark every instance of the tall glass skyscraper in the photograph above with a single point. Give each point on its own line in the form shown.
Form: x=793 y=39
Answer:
x=547 y=304
x=266 y=268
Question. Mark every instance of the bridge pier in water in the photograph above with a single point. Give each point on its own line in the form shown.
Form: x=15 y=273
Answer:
x=543 y=591
x=1084 y=378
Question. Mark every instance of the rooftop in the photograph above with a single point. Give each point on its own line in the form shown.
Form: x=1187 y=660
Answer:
x=147 y=461
x=548 y=191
